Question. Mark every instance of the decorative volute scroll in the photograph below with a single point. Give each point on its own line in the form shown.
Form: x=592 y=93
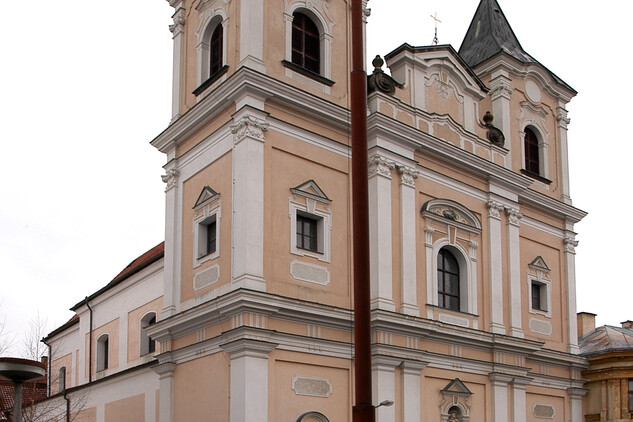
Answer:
x=170 y=178
x=310 y=190
x=494 y=134
x=380 y=81
x=455 y=404
x=445 y=210
x=249 y=126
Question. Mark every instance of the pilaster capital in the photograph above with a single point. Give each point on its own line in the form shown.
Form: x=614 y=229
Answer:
x=521 y=382
x=170 y=178
x=407 y=175
x=249 y=126
x=514 y=215
x=561 y=118
x=380 y=166
x=494 y=209
x=576 y=393
x=500 y=88
x=246 y=347
x=165 y=370
x=570 y=244
x=428 y=233
x=413 y=367
x=500 y=380
x=179 y=21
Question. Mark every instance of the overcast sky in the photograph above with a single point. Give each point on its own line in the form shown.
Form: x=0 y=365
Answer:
x=85 y=86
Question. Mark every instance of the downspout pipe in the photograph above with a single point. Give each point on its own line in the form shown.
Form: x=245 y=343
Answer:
x=90 y=344
x=48 y=370
x=67 y=405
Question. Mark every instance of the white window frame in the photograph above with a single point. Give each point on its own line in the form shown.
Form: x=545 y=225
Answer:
x=206 y=212
x=540 y=275
x=61 y=381
x=144 y=339
x=533 y=117
x=466 y=268
x=209 y=19
x=318 y=13
x=304 y=203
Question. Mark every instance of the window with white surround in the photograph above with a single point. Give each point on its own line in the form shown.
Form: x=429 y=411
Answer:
x=534 y=142
x=539 y=287
x=211 y=48
x=206 y=226
x=310 y=221
x=103 y=351
x=451 y=256
x=309 y=43
x=312 y=417
x=148 y=345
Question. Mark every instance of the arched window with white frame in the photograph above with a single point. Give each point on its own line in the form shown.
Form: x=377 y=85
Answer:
x=211 y=50
x=148 y=345
x=534 y=152
x=309 y=44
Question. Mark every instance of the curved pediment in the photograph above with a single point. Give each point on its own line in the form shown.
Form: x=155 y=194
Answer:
x=446 y=210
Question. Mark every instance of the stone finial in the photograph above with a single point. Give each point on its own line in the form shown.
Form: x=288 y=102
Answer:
x=380 y=81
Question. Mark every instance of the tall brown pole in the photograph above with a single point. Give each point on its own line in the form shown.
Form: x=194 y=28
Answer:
x=363 y=409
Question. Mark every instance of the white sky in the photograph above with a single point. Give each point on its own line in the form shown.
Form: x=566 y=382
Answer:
x=85 y=86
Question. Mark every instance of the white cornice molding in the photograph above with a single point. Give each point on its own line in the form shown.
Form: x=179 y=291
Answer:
x=244 y=82
x=551 y=205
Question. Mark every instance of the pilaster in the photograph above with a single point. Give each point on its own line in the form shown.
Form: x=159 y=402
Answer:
x=177 y=29
x=514 y=270
x=575 y=403
x=411 y=394
x=252 y=34
x=247 y=230
x=496 y=267
x=570 y=269
x=409 y=305
x=249 y=379
x=380 y=249
x=165 y=373
x=501 y=93
x=500 y=396
x=561 y=127
x=384 y=386
x=171 y=290
x=519 y=404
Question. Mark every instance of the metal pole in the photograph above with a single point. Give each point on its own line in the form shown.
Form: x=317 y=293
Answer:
x=363 y=410
x=17 y=402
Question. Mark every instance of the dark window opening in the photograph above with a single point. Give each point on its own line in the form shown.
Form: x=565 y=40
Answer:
x=539 y=297
x=532 y=163
x=448 y=280
x=210 y=238
x=215 y=51
x=307 y=233
x=631 y=395
x=305 y=43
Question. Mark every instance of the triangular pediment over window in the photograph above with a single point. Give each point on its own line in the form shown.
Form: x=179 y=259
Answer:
x=456 y=387
x=207 y=196
x=309 y=189
x=539 y=264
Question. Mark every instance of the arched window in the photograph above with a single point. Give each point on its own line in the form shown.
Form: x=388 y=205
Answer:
x=148 y=345
x=305 y=43
x=447 y=280
x=313 y=417
x=61 y=382
x=531 y=147
x=102 y=352
x=215 y=50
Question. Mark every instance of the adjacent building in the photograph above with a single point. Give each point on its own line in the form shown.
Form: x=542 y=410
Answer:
x=244 y=313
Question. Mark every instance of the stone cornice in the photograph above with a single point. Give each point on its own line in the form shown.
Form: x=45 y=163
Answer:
x=247 y=82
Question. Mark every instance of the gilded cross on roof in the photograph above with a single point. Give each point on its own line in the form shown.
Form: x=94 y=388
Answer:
x=435 y=18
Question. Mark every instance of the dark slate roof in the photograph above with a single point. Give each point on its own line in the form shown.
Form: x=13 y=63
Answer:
x=606 y=339
x=31 y=391
x=490 y=34
x=143 y=261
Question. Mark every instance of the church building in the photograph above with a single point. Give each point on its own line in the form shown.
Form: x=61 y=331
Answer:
x=244 y=312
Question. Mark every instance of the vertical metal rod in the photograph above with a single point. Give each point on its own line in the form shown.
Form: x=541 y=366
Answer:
x=17 y=401
x=363 y=410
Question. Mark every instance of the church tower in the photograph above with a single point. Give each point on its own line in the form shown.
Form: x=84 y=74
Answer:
x=249 y=301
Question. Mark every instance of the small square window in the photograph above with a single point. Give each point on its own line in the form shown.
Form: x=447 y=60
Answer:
x=539 y=296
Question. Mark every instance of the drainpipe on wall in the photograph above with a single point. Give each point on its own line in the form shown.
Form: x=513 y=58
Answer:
x=90 y=345
x=67 y=405
x=48 y=380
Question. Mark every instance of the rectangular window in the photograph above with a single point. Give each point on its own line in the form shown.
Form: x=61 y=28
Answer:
x=631 y=395
x=539 y=299
x=207 y=236
x=307 y=233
